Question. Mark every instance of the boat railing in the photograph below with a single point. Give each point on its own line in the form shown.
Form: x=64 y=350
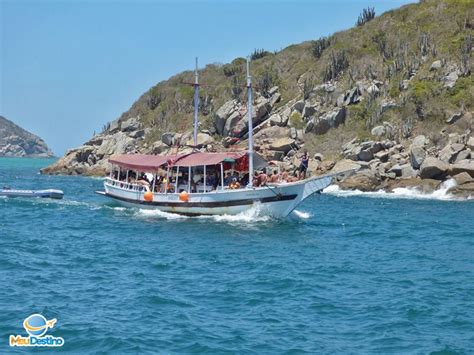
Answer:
x=126 y=185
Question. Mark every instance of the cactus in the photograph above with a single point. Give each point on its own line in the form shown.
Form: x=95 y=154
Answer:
x=424 y=44
x=259 y=53
x=153 y=99
x=307 y=88
x=365 y=16
x=338 y=62
x=466 y=50
x=380 y=40
x=318 y=46
x=236 y=89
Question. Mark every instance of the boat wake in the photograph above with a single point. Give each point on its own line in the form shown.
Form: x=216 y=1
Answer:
x=253 y=214
x=399 y=193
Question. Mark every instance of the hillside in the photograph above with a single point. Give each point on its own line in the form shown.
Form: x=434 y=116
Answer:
x=389 y=79
x=17 y=142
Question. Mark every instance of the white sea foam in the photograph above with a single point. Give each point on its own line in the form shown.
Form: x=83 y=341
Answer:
x=401 y=192
x=158 y=214
x=253 y=214
x=302 y=214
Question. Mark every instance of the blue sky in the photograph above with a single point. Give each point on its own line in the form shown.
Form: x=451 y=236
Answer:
x=70 y=66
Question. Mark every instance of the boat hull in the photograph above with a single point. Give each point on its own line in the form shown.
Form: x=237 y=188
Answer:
x=55 y=194
x=273 y=200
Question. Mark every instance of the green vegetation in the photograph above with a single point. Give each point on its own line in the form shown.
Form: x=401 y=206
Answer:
x=296 y=120
x=398 y=45
x=259 y=53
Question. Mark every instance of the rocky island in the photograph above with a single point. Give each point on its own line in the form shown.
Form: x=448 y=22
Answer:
x=392 y=96
x=17 y=142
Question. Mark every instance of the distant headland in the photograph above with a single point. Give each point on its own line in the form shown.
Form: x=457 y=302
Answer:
x=17 y=142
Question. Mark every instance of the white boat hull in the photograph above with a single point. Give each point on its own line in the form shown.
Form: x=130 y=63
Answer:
x=56 y=194
x=273 y=200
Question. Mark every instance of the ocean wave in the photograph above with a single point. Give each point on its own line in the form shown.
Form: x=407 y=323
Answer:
x=400 y=192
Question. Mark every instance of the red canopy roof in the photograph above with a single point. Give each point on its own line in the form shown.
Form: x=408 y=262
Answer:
x=145 y=162
x=141 y=161
x=199 y=158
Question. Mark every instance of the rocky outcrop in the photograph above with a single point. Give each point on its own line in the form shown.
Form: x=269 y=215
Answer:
x=393 y=101
x=17 y=142
x=325 y=122
x=231 y=119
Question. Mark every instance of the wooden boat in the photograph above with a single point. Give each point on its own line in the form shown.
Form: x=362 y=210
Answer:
x=181 y=184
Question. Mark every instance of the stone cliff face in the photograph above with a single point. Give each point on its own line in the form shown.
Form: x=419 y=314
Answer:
x=17 y=142
x=393 y=97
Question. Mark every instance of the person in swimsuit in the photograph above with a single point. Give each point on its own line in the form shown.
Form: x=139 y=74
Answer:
x=304 y=165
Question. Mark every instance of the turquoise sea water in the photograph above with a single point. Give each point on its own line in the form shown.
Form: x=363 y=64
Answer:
x=344 y=274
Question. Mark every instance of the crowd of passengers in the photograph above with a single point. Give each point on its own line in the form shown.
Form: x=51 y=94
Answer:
x=232 y=179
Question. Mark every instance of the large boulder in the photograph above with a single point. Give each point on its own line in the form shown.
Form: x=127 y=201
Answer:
x=463 y=178
x=278 y=120
x=118 y=143
x=465 y=190
x=325 y=122
x=433 y=168
x=282 y=144
x=345 y=165
x=309 y=110
x=114 y=126
x=451 y=79
x=203 y=139
x=159 y=147
x=378 y=131
x=132 y=124
x=231 y=123
x=470 y=143
x=407 y=171
x=463 y=166
x=463 y=155
x=454 y=117
x=168 y=138
x=223 y=113
x=363 y=181
x=449 y=153
x=417 y=151
x=299 y=106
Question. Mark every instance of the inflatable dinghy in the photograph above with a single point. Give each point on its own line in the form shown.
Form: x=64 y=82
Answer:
x=50 y=193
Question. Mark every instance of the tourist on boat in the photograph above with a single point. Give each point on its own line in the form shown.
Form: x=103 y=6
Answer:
x=234 y=184
x=284 y=176
x=244 y=181
x=213 y=181
x=260 y=179
x=304 y=165
x=275 y=177
x=143 y=180
x=228 y=179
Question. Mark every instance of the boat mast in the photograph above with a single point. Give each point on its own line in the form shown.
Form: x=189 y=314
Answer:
x=196 y=104
x=250 y=123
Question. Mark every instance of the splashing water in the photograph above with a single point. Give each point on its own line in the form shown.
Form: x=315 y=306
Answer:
x=302 y=214
x=400 y=192
x=253 y=214
x=159 y=214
